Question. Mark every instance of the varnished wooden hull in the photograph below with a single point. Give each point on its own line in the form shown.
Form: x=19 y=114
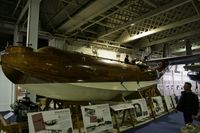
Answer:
x=66 y=75
x=50 y=65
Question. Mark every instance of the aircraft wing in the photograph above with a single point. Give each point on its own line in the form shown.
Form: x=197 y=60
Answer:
x=176 y=60
x=194 y=68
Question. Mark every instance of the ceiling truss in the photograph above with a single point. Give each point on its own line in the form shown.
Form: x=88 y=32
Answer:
x=119 y=23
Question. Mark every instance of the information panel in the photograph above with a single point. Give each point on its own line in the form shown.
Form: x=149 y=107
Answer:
x=158 y=105
x=141 y=109
x=174 y=100
x=58 y=121
x=96 y=118
x=169 y=103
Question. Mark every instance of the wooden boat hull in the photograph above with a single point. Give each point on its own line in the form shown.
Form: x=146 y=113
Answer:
x=72 y=76
x=85 y=91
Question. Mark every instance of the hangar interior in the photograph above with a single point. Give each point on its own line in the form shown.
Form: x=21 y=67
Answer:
x=115 y=25
x=143 y=29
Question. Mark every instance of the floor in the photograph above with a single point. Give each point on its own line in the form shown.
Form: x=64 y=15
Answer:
x=171 y=123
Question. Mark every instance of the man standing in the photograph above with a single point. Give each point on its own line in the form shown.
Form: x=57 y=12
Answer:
x=126 y=60
x=188 y=103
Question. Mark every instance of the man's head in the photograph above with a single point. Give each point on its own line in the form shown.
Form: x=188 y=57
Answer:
x=187 y=86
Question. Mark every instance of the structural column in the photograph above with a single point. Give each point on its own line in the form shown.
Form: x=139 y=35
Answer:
x=18 y=38
x=188 y=47
x=146 y=53
x=33 y=21
x=32 y=29
x=166 y=50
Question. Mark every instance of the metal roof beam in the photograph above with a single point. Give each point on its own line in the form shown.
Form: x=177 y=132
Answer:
x=99 y=20
x=101 y=24
x=155 y=12
x=171 y=38
x=90 y=12
x=18 y=3
x=24 y=10
x=127 y=10
x=70 y=2
x=9 y=2
x=58 y=14
x=195 y=7
x=150 y=3
x=7 y=26
x=103 y=44
x=162 y=28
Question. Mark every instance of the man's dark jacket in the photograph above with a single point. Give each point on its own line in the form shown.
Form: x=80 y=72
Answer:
x=188 y=103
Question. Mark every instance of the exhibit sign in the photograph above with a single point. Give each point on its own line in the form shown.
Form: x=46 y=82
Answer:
x=158 y=105
x=168 y=102
x=174 y=101
x=8 y=115
x=96 y=118
x=140 y=108
x=58 y=121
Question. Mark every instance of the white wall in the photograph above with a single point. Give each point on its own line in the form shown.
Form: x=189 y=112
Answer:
x=172 y=81
x=91 y=49
x=7 y=92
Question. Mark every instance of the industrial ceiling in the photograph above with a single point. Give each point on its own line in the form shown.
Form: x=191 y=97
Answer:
x=117 y=23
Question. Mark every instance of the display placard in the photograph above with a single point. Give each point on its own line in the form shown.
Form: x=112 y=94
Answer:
x=96 y=118
x=58 y=121
x=173 y=97
x=168 y=102
x=140 y=108
x=158 y=105
x=8 y=115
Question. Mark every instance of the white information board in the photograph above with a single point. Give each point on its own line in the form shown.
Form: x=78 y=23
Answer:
x=96 y=118
x=168 y=101
x=58 y=121
x=174 y=100
x=140 y=108
x=158 y=105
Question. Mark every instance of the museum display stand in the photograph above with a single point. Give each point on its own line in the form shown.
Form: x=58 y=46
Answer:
x=149 y=93
x=125 y=110
x=157 y=105
x=169 y=103
x=9 y=127
x=49 y=104
x=131 y=112
x=140 y=107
